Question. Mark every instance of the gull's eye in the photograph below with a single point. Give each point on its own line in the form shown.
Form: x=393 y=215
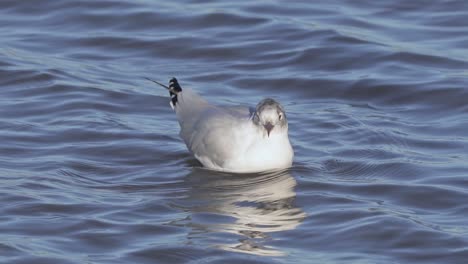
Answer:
x=256 y=117
x=280 y=116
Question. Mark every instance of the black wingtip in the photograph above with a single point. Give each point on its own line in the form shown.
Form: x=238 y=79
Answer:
x=174 y=89
x=174 y=85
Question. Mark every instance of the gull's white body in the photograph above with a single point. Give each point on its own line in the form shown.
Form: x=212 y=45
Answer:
x=226 y=139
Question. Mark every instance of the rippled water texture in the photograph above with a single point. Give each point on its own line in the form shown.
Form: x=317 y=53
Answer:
x=92 y=169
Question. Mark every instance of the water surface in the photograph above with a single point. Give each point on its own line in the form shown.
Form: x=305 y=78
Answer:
x=92 y=169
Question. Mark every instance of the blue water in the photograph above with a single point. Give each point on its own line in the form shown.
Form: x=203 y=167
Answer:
x=92 y=169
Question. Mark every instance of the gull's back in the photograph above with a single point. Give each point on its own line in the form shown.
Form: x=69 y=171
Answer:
x=211 y=132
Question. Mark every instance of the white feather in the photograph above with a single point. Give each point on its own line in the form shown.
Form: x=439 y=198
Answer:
x=225 y=138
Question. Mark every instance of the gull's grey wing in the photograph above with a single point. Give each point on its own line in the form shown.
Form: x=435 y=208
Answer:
x=240 y=110
x=209 y=131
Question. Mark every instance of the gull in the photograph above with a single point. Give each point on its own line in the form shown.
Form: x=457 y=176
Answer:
x=235 y=139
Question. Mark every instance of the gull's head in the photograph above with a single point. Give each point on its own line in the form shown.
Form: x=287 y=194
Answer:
x=270 y=116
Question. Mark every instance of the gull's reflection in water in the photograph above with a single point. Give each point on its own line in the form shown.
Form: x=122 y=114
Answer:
x=251 y=207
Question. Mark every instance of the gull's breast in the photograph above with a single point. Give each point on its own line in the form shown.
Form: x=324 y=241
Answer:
x=263 y=154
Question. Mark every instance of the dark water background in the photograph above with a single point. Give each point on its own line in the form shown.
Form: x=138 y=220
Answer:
x=92 y=169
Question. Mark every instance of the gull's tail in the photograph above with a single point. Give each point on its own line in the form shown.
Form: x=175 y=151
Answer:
x=173 y=88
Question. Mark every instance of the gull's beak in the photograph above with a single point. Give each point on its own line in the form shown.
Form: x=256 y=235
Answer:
x=268 y=126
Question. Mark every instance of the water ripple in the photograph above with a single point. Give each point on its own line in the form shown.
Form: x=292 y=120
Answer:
x=92 y=168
